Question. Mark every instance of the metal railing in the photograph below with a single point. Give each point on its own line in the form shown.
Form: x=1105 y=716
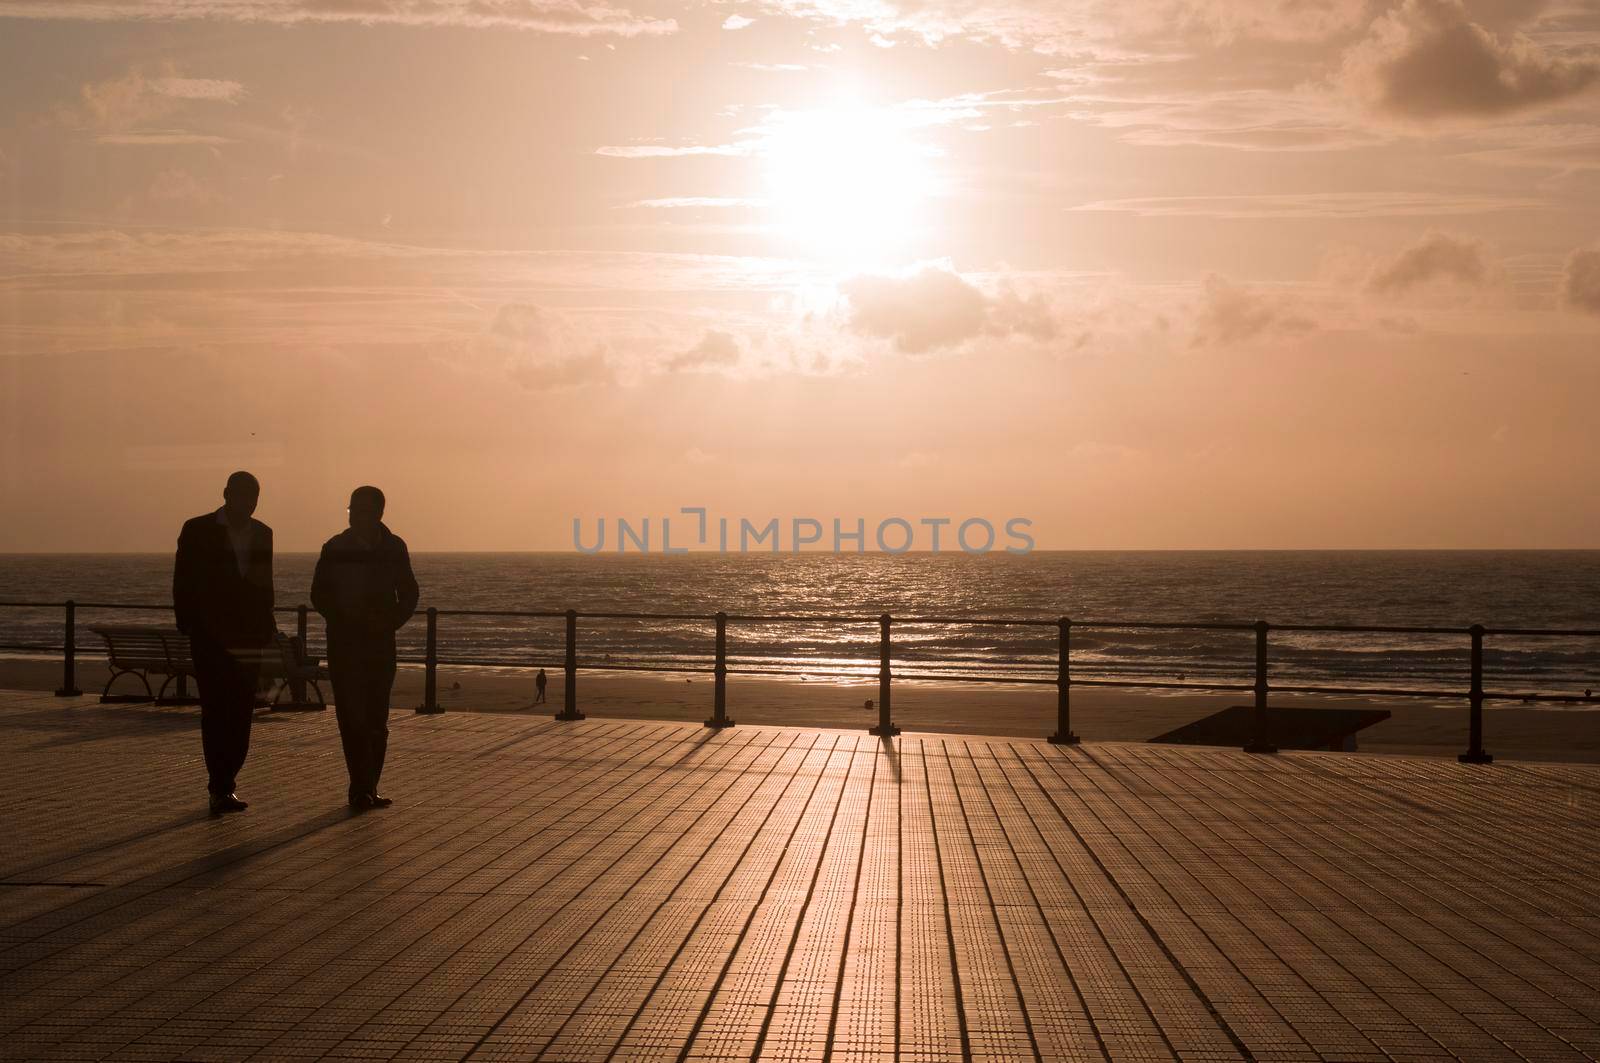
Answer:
x=1259 y=742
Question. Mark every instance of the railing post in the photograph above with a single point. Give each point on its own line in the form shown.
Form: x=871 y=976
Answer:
x=297 y=686
x=1064 y=735
x=1259 y=742
x=69 y=655
x=1475 y=753
x=569 y=692
x=719 y=697
x=886 y=727
x=430 y=666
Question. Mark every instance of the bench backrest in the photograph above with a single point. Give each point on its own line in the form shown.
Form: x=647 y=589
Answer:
x=146 y=648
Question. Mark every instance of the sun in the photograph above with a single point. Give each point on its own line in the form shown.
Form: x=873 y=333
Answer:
x=848 y=183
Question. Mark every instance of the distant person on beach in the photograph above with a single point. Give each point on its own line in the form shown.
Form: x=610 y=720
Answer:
x=540 y=681
x=364 y=589
x=222 y=595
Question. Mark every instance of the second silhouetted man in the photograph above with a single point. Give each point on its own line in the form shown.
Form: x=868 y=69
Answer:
x=364 y=589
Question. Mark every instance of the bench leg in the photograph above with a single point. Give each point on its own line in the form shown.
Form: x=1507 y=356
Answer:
x=106 y=697
x=182 y=692
x=297 y=702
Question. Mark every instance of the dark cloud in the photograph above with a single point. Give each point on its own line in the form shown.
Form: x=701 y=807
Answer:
x=1428 y=60
x=1580 y=283
x=936 y=308
x=1437 y=256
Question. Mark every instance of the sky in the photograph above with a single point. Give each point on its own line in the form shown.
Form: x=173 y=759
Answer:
x=1187 y=274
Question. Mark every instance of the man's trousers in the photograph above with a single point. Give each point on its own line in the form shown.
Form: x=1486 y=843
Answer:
x=227 y=705
x=362 y=671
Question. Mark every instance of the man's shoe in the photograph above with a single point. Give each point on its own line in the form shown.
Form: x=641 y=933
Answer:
x=379 y=801
x=361 y=802
x=221 y=803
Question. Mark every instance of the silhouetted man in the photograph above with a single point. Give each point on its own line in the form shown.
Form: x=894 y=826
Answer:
x=364 y=589
x=222 y=594
x=539 y=681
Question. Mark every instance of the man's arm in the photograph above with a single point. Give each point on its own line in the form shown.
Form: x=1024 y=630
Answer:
x=323 y=597
x=272 y=591
x=186 y=582
x=406 y=590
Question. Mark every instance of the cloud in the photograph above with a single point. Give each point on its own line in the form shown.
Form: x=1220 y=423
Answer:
x=1427 y=60
x=161 y=137
x=577 y=17
x=677 y=202
x=737 y=22
x=138 y=107
x=1580 y=281
x=1437 y=256
x=935 y=308
x=1312 y=205
x=1181 y=112
x=1230 y=314
x=1051 y=27
x=1565 y=147
x=539 y=348
x=716 y=350
x=199 y=89
x=179 y=186
x=659 y=151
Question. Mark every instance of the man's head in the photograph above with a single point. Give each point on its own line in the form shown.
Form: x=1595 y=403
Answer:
x=366 y=510
x=240 y=495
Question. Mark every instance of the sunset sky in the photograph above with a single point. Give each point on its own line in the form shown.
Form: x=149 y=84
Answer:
x=1179 y=274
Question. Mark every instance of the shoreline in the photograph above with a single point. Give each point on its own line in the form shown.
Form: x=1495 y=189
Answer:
x=1416 y=726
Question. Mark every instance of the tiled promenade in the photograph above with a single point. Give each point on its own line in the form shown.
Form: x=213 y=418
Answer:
x=614 y=889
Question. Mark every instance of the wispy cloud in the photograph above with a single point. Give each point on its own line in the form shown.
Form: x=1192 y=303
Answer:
x=161 y=136
x=1313 y=205
x=1251 y=119
x=1564 y=147
x=144 y=107
x=576 y=17
x=199 y=89
x=664 y=151
x=686 y=202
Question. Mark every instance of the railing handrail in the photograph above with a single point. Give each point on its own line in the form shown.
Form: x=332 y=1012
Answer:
x=1110 y=624
x=1260 y=740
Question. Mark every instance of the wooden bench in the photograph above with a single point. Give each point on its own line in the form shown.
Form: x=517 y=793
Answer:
x=143 y=652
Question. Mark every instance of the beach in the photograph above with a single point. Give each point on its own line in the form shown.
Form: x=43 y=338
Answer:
x=1512 y=732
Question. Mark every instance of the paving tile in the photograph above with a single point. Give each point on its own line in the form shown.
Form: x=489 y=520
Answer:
x=631 y=890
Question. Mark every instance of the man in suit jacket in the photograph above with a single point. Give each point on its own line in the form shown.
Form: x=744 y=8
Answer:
x=222 y=594
x=364 y=589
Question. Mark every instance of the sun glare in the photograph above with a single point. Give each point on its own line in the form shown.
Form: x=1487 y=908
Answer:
x=848 y=183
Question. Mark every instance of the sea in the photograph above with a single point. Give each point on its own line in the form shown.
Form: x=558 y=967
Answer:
x=1506 y=589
